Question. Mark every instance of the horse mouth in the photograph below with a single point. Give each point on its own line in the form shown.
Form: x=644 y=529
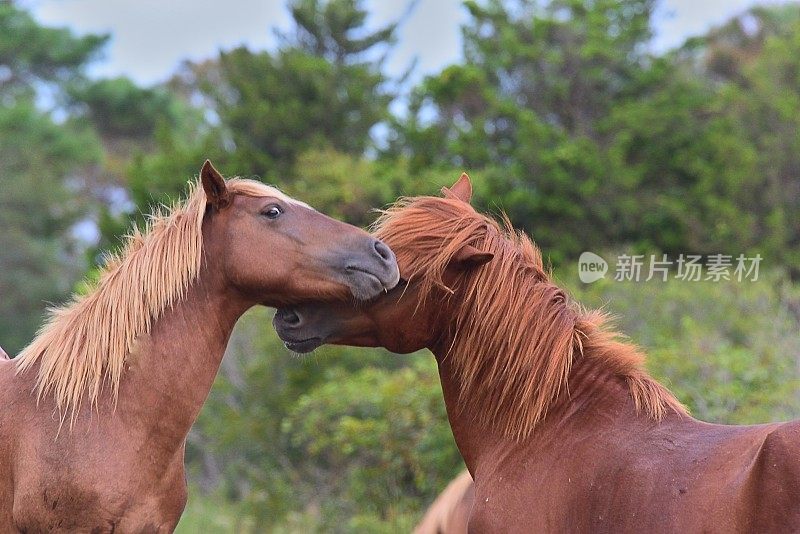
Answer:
x=365 y=284
x=303 y=346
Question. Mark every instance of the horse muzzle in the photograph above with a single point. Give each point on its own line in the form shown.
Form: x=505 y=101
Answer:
x=291 y=328
x=371 y=272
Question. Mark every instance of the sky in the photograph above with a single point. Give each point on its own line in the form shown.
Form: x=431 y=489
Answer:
x=151 y=37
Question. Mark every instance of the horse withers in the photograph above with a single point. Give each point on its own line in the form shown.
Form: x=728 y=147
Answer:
x=97 y=408
x=556 y=418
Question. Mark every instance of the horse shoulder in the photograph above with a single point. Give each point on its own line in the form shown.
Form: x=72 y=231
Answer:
x=81 y=499
x=777 y=475
x=784 y=444
x=779 y=456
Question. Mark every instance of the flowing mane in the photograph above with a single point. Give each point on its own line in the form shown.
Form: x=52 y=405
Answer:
x=85 y=343
x=529 y=331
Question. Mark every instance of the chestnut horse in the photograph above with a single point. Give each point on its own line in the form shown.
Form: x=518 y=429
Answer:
x=449 y=513
x=557 y=421
x=94 y=413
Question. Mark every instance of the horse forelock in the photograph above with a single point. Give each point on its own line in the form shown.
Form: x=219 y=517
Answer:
x=515 y=332
x=84 y=344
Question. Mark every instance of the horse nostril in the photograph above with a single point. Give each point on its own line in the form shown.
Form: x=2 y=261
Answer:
x=289 y=317
x=383 y=251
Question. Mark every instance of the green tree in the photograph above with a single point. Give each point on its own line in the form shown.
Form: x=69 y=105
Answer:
x=43 y=163
x=587 y=140
x=756 y=57
x=324 y=87
x=680 y=169
x=528 y=111
x=32 y=54
x=118 y=109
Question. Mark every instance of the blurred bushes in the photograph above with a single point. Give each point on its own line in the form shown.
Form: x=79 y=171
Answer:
x=371 y=445
x=729 y=350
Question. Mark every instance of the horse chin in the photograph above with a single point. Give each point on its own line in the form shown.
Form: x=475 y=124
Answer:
x=304 y=346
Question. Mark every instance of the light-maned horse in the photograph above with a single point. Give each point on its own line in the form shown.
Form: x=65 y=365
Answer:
x=94 y=413
x=557 y=421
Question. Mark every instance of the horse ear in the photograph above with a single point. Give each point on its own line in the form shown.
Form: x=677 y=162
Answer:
x=461 y=190
x=214 y=186
x=470 y=257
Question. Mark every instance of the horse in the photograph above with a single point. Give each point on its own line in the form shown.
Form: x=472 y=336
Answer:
x=554 y=414
x=449 y=513
x=96 y=410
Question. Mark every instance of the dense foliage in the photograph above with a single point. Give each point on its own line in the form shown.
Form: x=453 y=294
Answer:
x=43 y=162
x=565 y=119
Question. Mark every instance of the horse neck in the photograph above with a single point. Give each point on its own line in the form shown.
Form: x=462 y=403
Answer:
x=173 y=368
x=596 y=398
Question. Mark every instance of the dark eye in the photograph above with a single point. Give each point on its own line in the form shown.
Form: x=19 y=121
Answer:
x=272 y=212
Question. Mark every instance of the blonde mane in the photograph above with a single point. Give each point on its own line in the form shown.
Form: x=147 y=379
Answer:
x=84 y=345
x=516 y=333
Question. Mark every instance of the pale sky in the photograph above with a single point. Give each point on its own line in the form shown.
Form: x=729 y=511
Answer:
x=151 y=37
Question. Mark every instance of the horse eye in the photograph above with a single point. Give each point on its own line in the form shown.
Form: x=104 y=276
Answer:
x=272 y=212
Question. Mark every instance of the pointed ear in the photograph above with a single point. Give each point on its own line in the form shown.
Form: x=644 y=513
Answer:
x=214 y=186
x=461 y=190
x=470 y=257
